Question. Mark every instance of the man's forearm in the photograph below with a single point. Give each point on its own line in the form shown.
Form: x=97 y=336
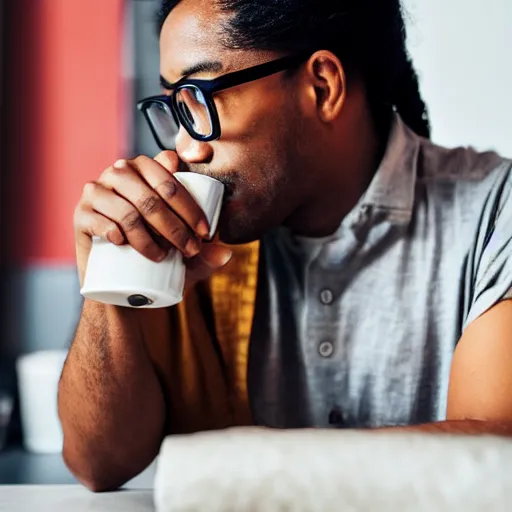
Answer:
x=458 y=427
x=110 y=400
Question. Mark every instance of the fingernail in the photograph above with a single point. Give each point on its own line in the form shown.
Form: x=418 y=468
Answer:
x=192 y=248
x=227 y=257
x=120 y=164
x=203 y=230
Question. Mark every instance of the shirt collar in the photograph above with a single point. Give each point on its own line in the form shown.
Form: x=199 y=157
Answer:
x=391 y=192
x=392 y=189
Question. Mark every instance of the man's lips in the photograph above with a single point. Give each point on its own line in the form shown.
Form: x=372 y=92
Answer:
x=225 y=179
x=229 y=186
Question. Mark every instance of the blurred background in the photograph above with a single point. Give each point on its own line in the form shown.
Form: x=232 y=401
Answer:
x=71 y=72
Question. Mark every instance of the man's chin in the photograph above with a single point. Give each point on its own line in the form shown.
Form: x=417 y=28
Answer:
x=236 y=237
x=237 y=229
x=244 y=221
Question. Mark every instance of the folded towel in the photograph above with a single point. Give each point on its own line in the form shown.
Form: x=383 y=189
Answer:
x=263 y=470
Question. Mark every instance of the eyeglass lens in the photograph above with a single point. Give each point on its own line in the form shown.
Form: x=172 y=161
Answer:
x=193 y=110
x=193 y=113
x=162 y=120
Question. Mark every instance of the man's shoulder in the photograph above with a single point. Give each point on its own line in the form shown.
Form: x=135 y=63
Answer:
x=463 y=185
x=458 y=165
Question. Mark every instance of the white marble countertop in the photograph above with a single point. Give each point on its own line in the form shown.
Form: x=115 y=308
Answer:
x=56 y=489
x=72 y=498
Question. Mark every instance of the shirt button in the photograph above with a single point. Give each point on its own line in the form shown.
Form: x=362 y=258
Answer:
x=326 y=297
x=326 y=349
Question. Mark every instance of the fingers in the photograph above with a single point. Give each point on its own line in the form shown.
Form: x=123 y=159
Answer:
x=139 y=202
x=171 y=191
x=147 y=206
x=90 y=223
x=211 y=258
x=120 y=212
x=169 y=161
x=215 y=256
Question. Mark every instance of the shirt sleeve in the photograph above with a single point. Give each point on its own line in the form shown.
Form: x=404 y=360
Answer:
x=489 y=271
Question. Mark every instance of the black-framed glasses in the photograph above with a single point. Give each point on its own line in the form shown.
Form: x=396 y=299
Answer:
x=191 y=104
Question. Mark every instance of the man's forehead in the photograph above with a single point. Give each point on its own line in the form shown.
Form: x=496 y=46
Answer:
x=190 y=35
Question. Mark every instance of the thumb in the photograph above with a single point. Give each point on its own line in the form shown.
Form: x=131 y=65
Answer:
x=212 y=258
x=215 y=256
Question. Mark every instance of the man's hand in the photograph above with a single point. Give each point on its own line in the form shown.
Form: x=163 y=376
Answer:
x=112 y=364
x=139 y=202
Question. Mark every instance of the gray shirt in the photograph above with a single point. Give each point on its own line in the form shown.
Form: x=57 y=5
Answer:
x=359 y=329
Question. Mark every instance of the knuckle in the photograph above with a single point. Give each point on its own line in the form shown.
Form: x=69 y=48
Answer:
x=169 y=155
x=80 y=215
x=178 y=236
x=149 y=205
x=168 y=189
x=106 y=174
x=130 y=221
x=89 y=189
x=112 y=234
x=148 y=247
x=77 y=216
x=140 y=160
x=168 y=159
x=116 y=172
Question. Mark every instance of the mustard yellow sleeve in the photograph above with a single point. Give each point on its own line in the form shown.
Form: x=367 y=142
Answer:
x=189 y=365
x=200 y=348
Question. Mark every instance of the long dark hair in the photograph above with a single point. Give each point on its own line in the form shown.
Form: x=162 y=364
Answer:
x=368 y=36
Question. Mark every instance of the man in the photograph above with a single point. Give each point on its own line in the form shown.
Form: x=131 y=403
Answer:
x=369 y=268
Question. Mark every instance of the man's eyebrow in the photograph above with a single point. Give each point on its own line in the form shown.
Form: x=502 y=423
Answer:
x=207 y=66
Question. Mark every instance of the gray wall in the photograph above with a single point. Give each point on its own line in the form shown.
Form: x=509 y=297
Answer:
x=146 y=69
x=462 y=50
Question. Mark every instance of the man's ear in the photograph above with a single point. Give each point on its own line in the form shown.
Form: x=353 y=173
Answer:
x=328 y=80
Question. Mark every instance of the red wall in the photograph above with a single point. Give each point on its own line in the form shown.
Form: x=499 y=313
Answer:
x=65 y=111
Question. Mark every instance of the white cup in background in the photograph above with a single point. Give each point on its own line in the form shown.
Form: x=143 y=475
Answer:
x=121 y=276
x=38 y=379
x=6 y=406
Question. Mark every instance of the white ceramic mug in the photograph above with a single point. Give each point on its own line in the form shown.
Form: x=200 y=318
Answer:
x=38 y=379
x=121 y=276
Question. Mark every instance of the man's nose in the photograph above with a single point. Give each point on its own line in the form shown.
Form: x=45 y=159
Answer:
x=192 y=151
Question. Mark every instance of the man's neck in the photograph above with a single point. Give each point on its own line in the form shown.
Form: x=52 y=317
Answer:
x=347 y=173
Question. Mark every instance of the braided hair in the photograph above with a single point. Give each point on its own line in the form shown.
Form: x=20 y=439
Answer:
x=368 y=36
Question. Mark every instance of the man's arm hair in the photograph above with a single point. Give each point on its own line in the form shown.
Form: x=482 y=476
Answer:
x=111 y=402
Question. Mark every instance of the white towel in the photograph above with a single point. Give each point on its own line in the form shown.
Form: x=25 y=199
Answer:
x=260 y=470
